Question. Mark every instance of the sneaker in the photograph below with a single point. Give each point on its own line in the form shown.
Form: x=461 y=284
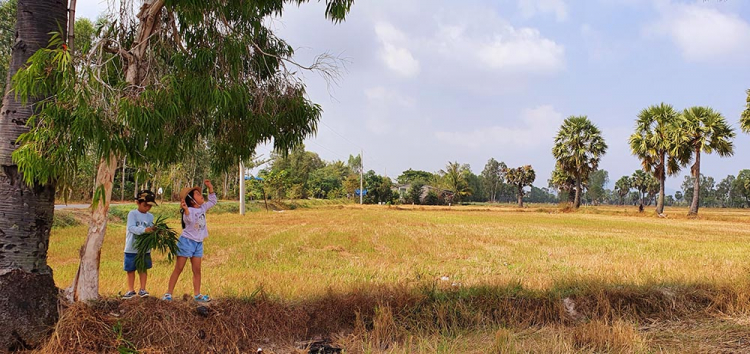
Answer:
x=202 y=298
x=167 y=297
x=142 y=293
x=129 y=295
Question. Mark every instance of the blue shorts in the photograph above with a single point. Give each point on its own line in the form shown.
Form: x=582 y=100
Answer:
x=189 y=248
x=129 y=264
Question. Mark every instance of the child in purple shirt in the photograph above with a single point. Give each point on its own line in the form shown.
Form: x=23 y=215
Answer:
x=193 y=210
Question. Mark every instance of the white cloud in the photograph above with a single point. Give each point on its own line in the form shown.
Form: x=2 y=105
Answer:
x=522 y=50
x=394 y=51
x=703 y=33
x=538 y=128
x=529 y=8
x=500 y=47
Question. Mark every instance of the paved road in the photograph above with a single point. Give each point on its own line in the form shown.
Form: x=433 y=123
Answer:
x=71 y=206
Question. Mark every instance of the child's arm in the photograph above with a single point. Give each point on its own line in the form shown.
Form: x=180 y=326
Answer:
x=136 y=230
x=212 y=200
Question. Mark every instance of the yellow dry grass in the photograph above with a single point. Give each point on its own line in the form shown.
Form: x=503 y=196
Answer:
x=307 y=252
x=469 y=279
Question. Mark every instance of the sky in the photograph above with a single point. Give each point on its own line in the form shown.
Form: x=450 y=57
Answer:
x=427 y=82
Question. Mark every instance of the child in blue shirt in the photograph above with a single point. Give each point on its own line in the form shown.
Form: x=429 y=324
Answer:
x=139 y=221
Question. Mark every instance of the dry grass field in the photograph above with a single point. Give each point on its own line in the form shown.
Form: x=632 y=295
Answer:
x=474 y=279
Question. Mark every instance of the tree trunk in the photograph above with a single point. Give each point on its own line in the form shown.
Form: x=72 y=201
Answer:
x=577 y=201
x=520 y=196
x=662 y=180
x=86 y=282
x=122 y=185
x=696 y=170
x=28 y=296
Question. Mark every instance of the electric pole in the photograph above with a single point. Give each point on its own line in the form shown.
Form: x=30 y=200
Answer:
x=361 y=173
x=242 y=188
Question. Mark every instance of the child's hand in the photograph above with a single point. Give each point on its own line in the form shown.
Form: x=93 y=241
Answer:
x=209 y=185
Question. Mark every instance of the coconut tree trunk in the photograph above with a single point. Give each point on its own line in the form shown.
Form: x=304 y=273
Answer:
x=28 y=296
x=696 y=170
x=577 y=201
x=86 y=282
x=520 y=196
x=662 y=179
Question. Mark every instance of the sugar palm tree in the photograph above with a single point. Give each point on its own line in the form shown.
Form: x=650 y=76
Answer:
x=640 y=180
x=653 y=142
x=701 y=129
x=622 y=187
x=564 y=183
x=579 y=146
x=520 y=177
x=745 y=118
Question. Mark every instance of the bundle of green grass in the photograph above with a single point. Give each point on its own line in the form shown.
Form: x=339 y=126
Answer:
x=162 y=239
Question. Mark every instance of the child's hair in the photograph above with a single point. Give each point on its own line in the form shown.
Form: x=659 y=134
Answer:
x=190 y=202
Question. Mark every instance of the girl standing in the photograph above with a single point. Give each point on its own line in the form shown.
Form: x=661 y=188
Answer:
x=193 y=210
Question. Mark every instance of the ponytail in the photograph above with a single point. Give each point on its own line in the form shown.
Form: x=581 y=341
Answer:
x=182 y=219
x=190 y=202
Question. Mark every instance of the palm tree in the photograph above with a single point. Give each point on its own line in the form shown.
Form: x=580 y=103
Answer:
x=454 y=177
x=702 y=130
x=579 y=146
x=563 y=182
x=622 y=187
x=640 y=181
x=653 y=142
x=520 y=177
x=29 y=307
x=745 y=118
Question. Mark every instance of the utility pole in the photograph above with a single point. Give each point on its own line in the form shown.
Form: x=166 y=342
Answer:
x=361 y=173
x=242 y=188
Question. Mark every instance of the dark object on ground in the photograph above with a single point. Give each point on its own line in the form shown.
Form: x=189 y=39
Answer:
x=202 y=310
x=323 y=347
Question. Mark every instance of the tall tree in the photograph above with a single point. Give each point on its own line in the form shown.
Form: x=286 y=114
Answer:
x=493 y=177
x=640 y=180
x=412 y=176
x=595 y=192
x=564 y=183
x=741 y=187
x=701 y=129
x=28 y=296
x=579 y=146
x=745 y=118
x=455 y=179
x=653 y=142
x=186 y=74
x=622 y=187
x=520 y=177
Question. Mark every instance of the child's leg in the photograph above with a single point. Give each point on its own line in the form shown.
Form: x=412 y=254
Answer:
x=178 y=265
x=142 y=277
x=195 y=262
x=131 y=280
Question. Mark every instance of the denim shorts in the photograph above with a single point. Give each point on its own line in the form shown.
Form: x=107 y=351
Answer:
x=129 y=264
x=189 y=248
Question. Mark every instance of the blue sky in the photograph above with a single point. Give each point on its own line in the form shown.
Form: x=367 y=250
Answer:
x=432 y=81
